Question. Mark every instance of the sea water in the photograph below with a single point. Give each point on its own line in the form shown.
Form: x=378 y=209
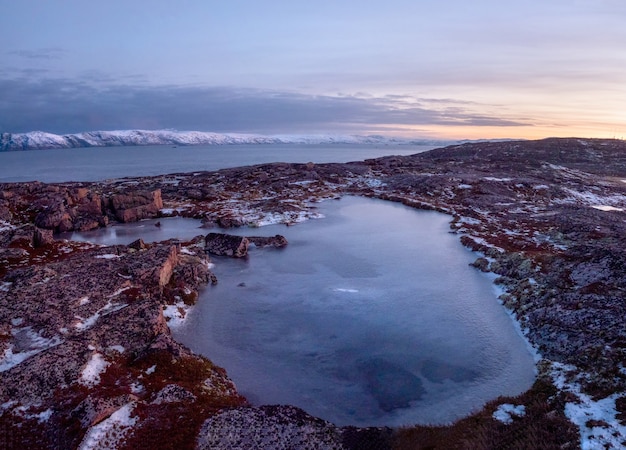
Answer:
x=370 y=316
x=100 y=163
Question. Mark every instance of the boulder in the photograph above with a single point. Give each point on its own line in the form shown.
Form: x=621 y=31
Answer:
x=226 y=245
x=137 y=205
x=271 y=241
x=54 y=217
x=41 y=238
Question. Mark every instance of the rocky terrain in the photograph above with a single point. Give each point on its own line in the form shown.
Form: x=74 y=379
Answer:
x=87 y=359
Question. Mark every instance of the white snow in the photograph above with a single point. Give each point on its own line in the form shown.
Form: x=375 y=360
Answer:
x=5 y=226
x=117 y=348
x=108 y=433
x=83 y=301
x=597 y=420
x=497 y=179
x=83 y=324
x=119 y=291
x=592 y=199
x=464 y=186
x=469 y=220
x=606 y=208
x=5 y=286
x=346 y=290
x=30 y=342
x=506 y=412
x=108 y=256
x=150 y=370
x=90 y=376
x=41 y=417
x=175 y=314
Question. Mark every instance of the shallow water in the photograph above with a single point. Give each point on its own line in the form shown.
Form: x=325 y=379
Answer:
x=370 y=316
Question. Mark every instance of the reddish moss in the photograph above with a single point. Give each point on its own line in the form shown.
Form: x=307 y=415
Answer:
x=543 y=426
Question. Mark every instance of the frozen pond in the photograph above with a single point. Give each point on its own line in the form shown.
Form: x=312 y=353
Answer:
x=370 y=316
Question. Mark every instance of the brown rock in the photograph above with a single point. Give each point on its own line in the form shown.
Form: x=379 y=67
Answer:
x=226 y=245
x=137 y=205
x=139 y=244
x=41 y=238
x=271 y=241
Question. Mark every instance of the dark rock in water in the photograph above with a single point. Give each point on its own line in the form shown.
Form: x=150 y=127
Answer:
x=228 y=222
x=221 y=244
x=481 y=264
x=136 y=205
x=41 y=238
x=392 y=386
x=271 y=241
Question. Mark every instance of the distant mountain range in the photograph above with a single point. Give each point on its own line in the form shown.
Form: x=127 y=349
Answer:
x=39 y=140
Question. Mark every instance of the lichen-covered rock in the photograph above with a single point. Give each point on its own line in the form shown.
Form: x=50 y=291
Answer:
x=268 y=427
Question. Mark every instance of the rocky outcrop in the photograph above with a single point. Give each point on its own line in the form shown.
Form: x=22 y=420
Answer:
x=131 y=207
x=268 y=427
x=221 y=244
x=84 y=337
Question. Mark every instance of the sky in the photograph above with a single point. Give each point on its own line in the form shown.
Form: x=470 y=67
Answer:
x=447 y=69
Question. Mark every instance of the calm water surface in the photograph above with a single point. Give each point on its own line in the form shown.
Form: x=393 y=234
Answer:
x=100 y=163
x=370 y=316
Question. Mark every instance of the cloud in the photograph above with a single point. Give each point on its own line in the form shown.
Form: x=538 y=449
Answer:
x=41 y=53
x=66 y=106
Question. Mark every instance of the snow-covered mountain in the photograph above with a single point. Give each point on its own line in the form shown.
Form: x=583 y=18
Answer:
x=38 y=140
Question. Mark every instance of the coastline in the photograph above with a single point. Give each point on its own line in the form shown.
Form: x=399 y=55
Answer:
x=527 y=207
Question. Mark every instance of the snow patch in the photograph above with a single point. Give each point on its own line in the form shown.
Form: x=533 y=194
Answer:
x=597 y=420
x=83 y=324
x=26 y=344
x=109 y=433
x=90 y=376
x=352 y=291
x=497 y=179
x=464 y=186
x=5 y=286
x=151 y=370
x=41 y=417
x=506 y=412
x=6 y=226
x=108 y=256
x=591 y=199
x=117 y=348
x=606 y=208
x=175 y=314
